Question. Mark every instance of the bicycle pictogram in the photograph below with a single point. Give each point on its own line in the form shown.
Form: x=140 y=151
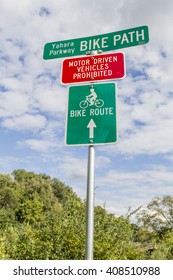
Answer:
x=90 y=100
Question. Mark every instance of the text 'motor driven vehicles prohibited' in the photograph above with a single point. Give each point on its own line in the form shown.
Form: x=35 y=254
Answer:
x=93 y=68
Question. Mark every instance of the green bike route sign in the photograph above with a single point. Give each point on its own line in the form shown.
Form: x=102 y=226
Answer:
x=91 y=114
x=104 y=42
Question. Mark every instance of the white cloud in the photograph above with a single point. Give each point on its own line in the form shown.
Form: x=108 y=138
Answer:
x=25 y=123
x=151 y=139
x=39 y=145
x=52 y=130
x=9 y=163
x=121 y=190
x=142 y=178
x=51 y=100
x=102 y=161
x=13 y=104
x=32 y=99
x=74 y=169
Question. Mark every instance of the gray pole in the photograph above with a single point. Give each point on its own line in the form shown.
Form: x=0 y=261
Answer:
x=90 y=204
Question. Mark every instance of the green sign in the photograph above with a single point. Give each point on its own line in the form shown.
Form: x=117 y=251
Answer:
x=91 y=114
x=105 y=42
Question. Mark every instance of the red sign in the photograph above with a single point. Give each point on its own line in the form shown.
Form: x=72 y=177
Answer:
x=93 y=68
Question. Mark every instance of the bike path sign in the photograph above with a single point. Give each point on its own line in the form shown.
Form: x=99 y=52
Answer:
x=105 y=42
x=91 y=114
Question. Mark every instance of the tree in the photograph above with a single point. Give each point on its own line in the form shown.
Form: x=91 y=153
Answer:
x=113 y=237
x=155 y=228
x=158 y=215
x=41 y=218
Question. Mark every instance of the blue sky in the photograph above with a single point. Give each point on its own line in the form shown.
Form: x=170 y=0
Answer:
x=33 y=102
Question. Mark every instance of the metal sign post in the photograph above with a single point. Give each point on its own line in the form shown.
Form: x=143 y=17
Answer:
x=90 y=204
x=89 y=250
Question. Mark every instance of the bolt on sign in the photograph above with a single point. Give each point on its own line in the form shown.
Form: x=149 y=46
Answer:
x=91 y=114
x=93 y=68
x=105 y=42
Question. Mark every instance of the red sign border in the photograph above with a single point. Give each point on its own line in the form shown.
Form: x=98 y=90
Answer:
x=92 y=80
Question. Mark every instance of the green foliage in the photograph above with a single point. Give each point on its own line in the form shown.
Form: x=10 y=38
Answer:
x=155 y=232
x=113 y=237
x=41 y=218
x=158 y=216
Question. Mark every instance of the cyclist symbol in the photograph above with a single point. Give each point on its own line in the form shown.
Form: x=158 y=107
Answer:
x=90 y=100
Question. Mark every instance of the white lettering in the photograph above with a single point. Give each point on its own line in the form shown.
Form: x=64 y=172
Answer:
x=101 y=111
x=96 y=44
x=50 y=53
x=104 y=41
x=116 y=38
x=77 y=113
x=124 y=38
x=83 y=45
x=131 y=35
x=140 y=35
